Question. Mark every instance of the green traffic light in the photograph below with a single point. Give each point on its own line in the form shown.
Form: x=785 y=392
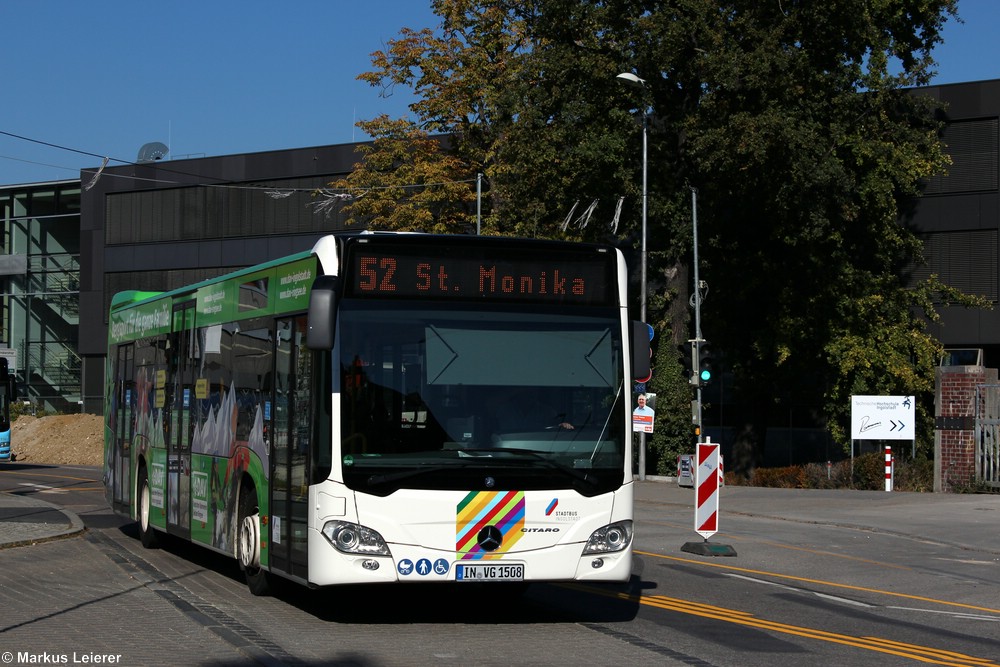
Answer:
x=704 y=362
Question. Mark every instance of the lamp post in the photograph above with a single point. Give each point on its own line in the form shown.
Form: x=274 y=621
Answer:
x=630 y=79
x=697 y=304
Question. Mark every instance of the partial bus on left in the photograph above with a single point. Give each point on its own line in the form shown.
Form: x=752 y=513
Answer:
x=8 y=393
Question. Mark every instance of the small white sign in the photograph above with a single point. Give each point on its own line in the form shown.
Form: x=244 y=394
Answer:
x=10 y=354
x=882 y=418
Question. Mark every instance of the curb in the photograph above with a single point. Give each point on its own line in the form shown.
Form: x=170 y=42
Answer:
x=19 y=533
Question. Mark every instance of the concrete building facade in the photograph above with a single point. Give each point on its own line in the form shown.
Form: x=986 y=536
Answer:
x=161 y=225
x=39 y=282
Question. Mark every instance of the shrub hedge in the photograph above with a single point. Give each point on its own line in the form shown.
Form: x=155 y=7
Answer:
x=868 y=473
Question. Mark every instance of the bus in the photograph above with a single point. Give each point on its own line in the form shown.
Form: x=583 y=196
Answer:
x=8 y=392
x=385 y=407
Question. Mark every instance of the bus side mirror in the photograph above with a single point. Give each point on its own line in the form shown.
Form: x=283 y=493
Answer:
x=641 y=337
x=322 y=315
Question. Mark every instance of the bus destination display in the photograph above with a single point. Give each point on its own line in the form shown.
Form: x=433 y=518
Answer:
x=382 y=272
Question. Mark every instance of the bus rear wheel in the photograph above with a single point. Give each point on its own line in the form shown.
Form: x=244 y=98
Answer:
x=147 y=534
x=248 y=544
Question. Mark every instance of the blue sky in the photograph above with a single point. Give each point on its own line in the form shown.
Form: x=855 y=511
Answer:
x=218 y=77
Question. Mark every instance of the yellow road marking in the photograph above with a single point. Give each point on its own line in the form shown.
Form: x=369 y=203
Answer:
x=820 y=582
x=911 y=651
x=31 y=473
x=733 y=538
x=820 y=552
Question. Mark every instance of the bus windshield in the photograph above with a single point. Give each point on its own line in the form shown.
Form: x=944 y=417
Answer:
x=435 y=397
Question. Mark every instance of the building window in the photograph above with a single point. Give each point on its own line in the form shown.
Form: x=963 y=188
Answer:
x=965 y=260
x=973 y=146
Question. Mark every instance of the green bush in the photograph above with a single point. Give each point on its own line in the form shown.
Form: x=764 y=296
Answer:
x=823 y=476
x=17 y=408
x=867 y=473
x=790 y=477
x=914 y=475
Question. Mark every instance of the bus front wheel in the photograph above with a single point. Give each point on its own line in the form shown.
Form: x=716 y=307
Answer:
x=248 y=544
x=147 y=534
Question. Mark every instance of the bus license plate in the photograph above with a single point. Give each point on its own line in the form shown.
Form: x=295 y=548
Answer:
x=497 y=572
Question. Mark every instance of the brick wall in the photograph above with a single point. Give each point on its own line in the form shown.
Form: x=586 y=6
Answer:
x=955 y=413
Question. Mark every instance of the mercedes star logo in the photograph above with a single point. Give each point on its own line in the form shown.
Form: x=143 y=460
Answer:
x=489 y=538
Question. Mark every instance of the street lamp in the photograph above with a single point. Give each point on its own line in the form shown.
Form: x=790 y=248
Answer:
x=630 y=79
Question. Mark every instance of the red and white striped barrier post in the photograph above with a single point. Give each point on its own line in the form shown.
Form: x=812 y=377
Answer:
x=888 y=468
x=706 y=481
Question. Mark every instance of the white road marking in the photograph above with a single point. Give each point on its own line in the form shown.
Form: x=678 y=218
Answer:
x=42 y=488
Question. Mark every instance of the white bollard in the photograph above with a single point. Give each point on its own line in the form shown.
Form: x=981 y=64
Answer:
x=888 y=468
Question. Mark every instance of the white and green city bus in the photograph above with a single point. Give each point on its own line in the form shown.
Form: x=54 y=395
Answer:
x=385 y=408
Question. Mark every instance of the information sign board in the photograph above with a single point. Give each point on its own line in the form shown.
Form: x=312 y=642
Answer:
x=882 y=418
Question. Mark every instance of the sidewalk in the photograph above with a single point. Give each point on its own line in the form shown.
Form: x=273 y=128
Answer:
x=26 y=520
x=966 y=521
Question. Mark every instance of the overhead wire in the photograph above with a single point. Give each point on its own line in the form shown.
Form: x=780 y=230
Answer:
x=277 y=192
x=35 y=162
x=328 y=196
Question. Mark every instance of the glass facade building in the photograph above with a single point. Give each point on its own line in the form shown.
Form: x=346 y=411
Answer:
x=40 y=274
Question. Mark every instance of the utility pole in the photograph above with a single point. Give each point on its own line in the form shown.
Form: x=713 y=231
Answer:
x=697 y=310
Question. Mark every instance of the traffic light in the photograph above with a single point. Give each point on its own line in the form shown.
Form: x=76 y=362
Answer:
x=705 y=359
x=689 y=360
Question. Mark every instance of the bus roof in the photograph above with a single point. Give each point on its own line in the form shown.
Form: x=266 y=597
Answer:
x=325 y=250
x=135 y=297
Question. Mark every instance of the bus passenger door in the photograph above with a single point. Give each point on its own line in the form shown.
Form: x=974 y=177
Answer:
x=291 y=448
x=181 y=396
x=124 y=401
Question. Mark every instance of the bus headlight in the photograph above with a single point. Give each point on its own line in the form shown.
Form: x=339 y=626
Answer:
x=610 y=538
x=351 y=538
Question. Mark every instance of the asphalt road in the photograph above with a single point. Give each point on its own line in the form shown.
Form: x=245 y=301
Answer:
x=832 y=578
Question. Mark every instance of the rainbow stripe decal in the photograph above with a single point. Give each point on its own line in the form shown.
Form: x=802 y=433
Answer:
x=503 y=509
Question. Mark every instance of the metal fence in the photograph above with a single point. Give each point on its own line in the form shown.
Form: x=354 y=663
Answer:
x=987 y=435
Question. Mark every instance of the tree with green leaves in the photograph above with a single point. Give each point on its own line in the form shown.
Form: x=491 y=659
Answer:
x=795 y=121
x=405 y=164
x=807 y=147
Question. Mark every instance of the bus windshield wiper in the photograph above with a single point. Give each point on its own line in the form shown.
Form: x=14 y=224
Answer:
x=478 y=457
x=389 y=478
x=535 y=455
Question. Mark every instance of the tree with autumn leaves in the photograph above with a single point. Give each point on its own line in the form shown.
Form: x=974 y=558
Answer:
x=796 y=123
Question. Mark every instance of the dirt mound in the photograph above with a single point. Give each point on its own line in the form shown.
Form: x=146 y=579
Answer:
x=59 y=439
